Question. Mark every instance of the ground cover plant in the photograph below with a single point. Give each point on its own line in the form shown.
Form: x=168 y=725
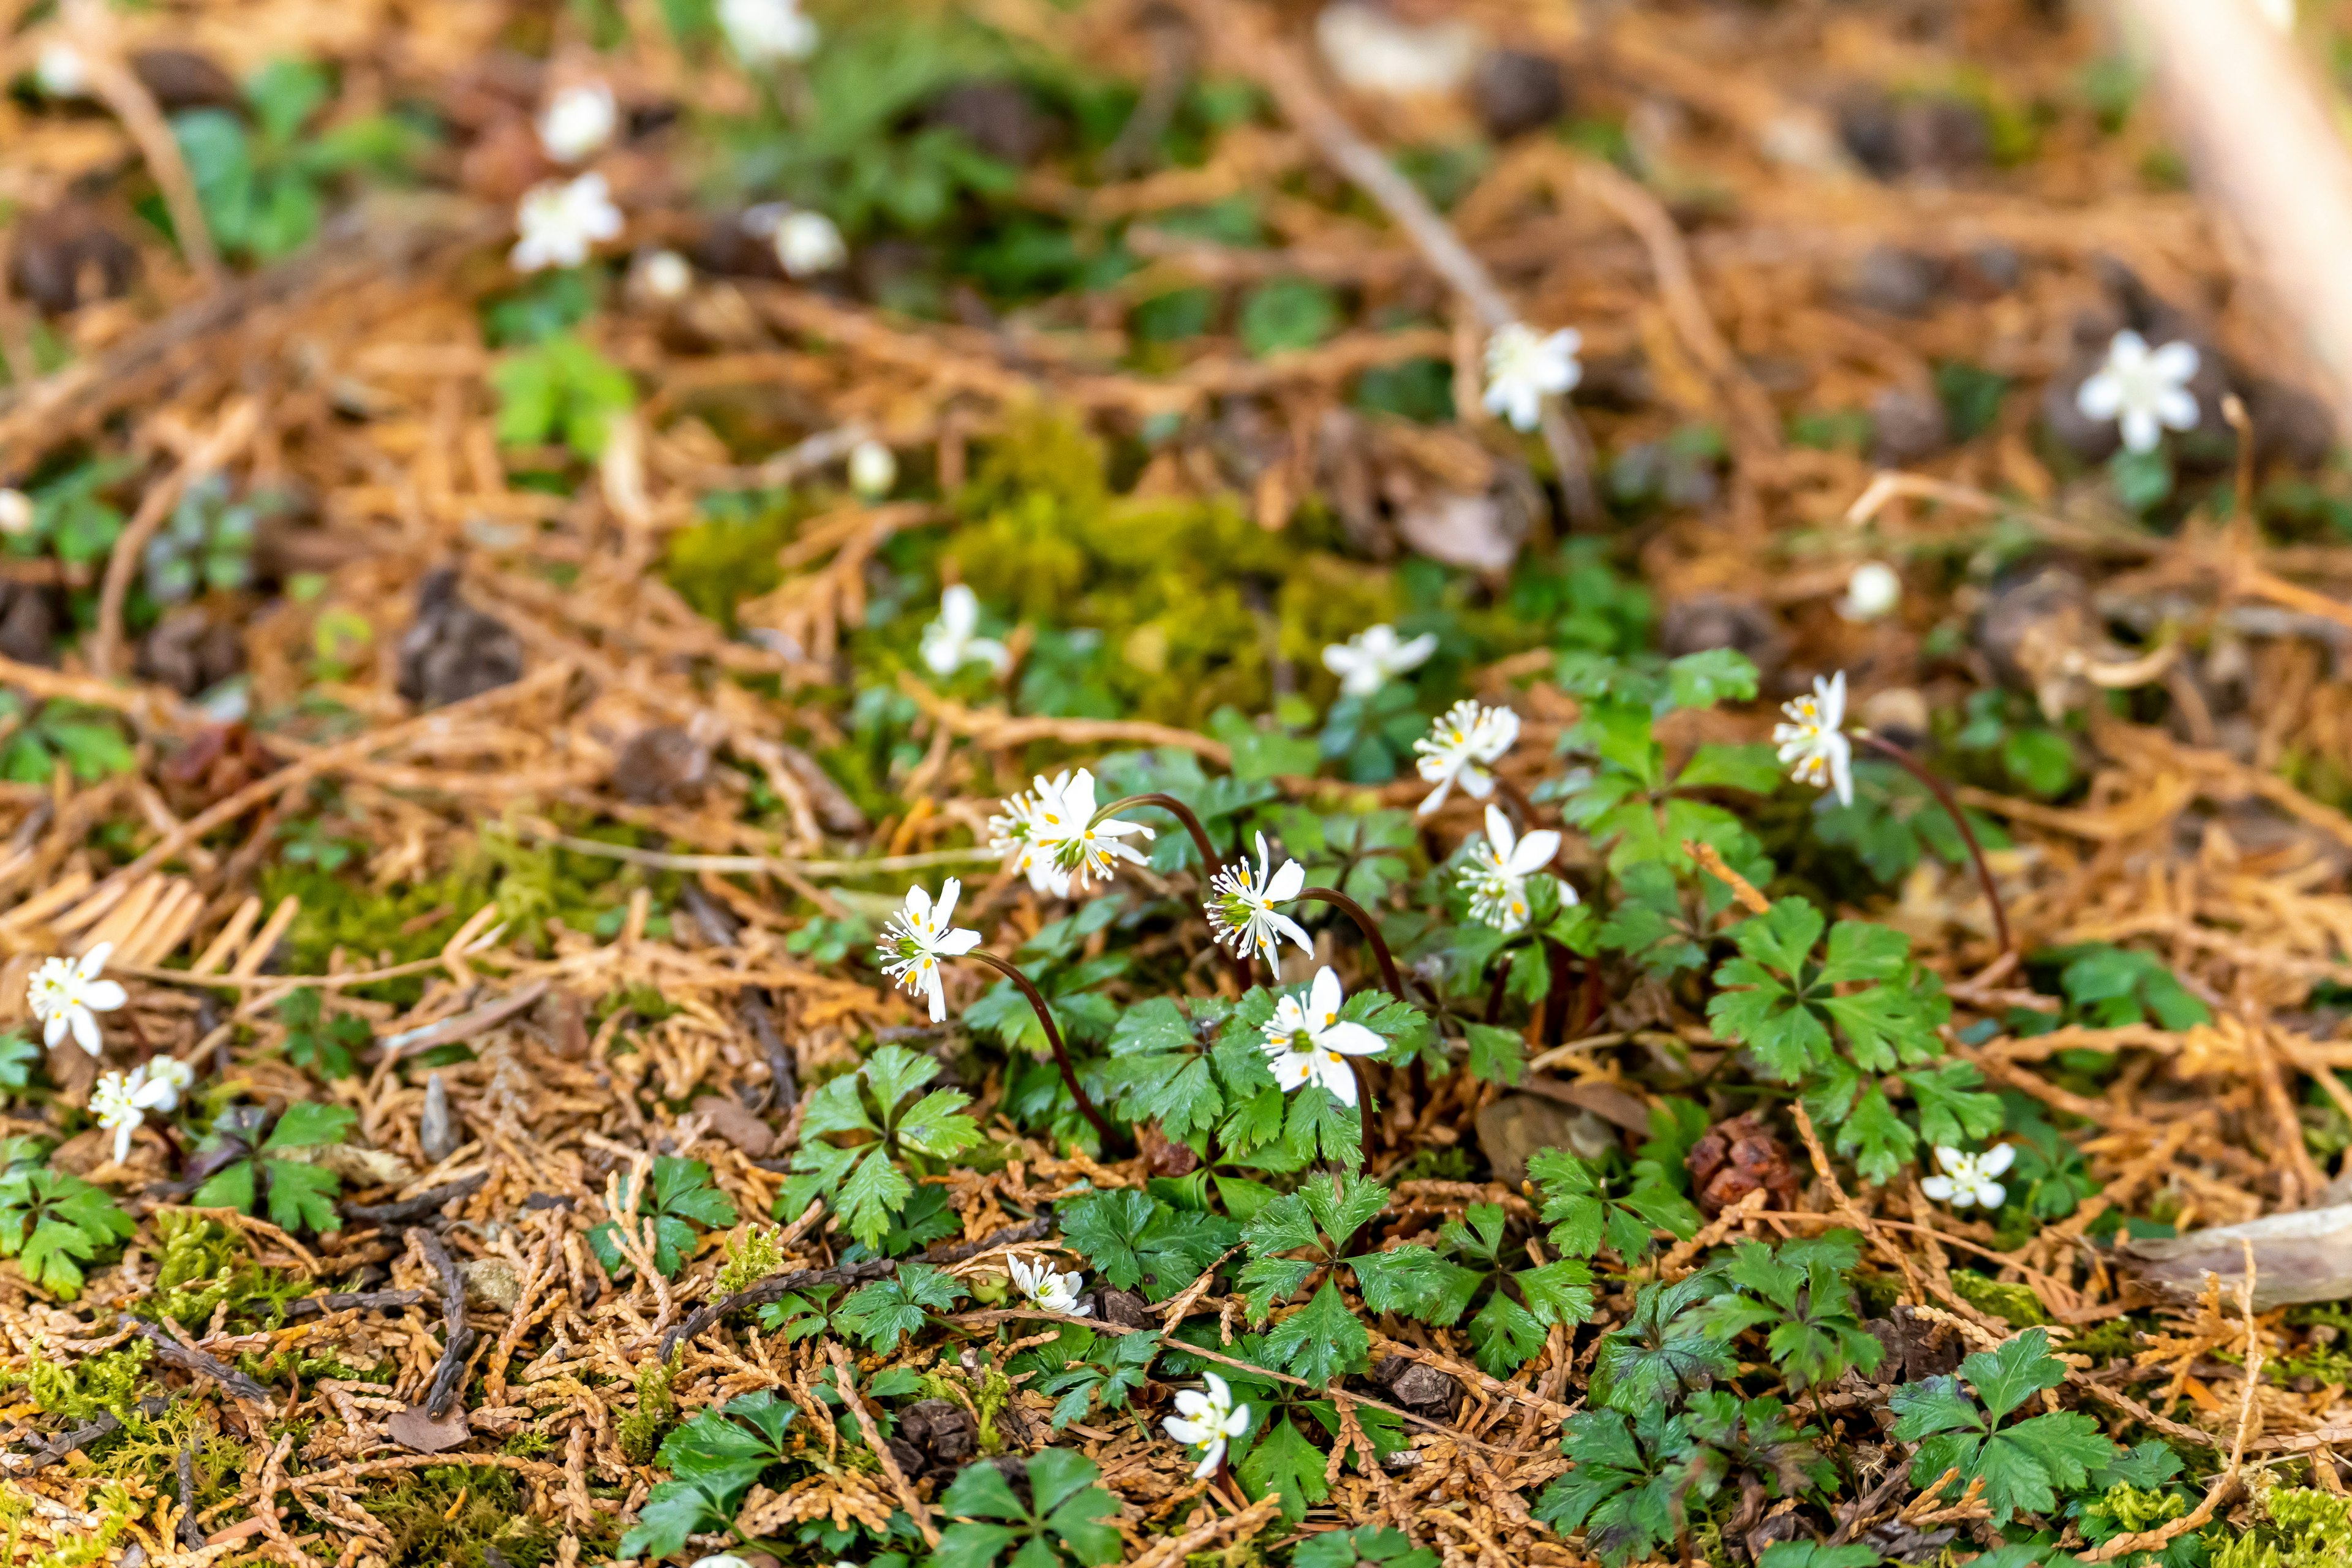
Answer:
x=1038 y=784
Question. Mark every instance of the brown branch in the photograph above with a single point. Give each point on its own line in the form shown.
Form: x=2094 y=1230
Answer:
x=449 y=1372
x=172 y=1352
x=1943 y=793
x=114 y=84
x=409 y=1211
x=1052 y=1037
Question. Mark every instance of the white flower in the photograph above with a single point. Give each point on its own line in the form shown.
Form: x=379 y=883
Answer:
x=156 y=1083
x=1372 y=50
x=1373 y=658
x=61 y=71
x=579 y=120
x=1208 y=1421
x=1874 y=590
x=1308 y=1043
x=560 y=221
x=767 y=32
x=1523 y=368
x=1241 y=906
x=114 y=1101
x=807 y=243
x=1466 y=738
x=2144 y=391
x=1968 y=1179
x=662 y=275
x=1048 y=1291
x=16 y=511
x=1083 y=849
x=722 y=1560
x=1012 y=832
x=873 y=470
x=1500 y=865
x=949 y=643
x=66 y=997
x=918 y=937
x=1815 y=739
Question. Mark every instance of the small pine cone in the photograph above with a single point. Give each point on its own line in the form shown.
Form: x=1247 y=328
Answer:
x=1736 y=1158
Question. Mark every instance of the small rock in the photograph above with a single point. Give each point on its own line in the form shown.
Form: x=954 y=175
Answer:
x=69 y=256
x=1476 y=532
x=1416 y=1385
x=437 y=1129
x=183 y=78
x=938 y=1434
x=997 y=118
x=454 y=651
x=731 y=1121
x=28 y=624
x=1737 y=1157
x=492 y=1282
x=1906 y=427
x=191 y=650
x=1515 y=1127
x=661 y=766
x=1896 y=281
x=1516 y=91
x=1125 y=1308
x=412 y=1428
x=1895 y=138
x=1704 y=621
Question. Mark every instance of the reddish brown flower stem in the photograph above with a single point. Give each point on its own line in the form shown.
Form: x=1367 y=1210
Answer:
x=1369 y=927
x=1211 y=864
x=1052 y=1037
x=1943 y=793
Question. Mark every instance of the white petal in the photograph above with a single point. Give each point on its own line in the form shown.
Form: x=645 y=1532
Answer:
x=1192 y=1434
x=122 y=1140
x=1350 y=1039
x=949 y=892
x=85 y=1028
x=1998 y=1159
x=53 y=1029
x=1951 y=1159
x=1323 y=998
x=1281 y=928
x=1841 y=756
x=1498 y=833
x=956 y=943
x=2174 y=361
x=1992 y=1195
x=2127 y=348
x=1938 y=1188
x=95 y=960
x=1337 y=1077
x=938 y=994
x=1287 y=879
x=1210 y=1461
x=105 y=996
x=1291 y=1069
x=1534 y=852
x=918 y=903
x=2100 y=397
x=2176 y=407
x=2140 y=431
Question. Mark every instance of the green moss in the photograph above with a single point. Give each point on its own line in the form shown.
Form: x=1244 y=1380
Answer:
x=2303 y=1528
x=446 y=1515
x=754 y=1255
x=2014 y=1302
x=730 y=555
x=204 y=1263
x=76 y=1390
x=640 y=1431
x=2116 y=1338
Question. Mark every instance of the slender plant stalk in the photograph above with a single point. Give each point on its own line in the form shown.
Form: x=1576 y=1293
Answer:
x=1943 y=793
x=1369 y=927
x=1052 y=1037
x=1211 y=864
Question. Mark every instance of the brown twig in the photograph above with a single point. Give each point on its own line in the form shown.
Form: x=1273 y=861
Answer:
x=1943 y=793
x=449 y=1372
x=58 y=1446
x=1212 y=864
x=408 y=1211
x=172 y=1352
x=1371 y=930
x=115 y=85
x=1052 y=1037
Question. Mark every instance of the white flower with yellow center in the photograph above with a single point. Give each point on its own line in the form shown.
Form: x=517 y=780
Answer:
x=578 y=122
x=1241 y=910
x=1374 y=657
x=1500 y=865
x=954 y=641
x=1308 y=1042
x=767 y=32
x=1048 y=1291
x=917 y=936
x=157 y=1083
x=1814 y=741
x=114 y=1102
x=1085 y=851
x=1460 y=746
x=1968 y=1180
x=1524 y=367
x=1208 y=1421
x=561 y=221
x=68 y=996
x=2145 y=391
x=1012 y=832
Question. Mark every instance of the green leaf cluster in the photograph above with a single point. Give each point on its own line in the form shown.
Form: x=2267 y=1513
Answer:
x=859 y=1130
x=561 y=390
x=2025 y=1466
x=1799 y=1292
x=1141 y=1240
x=52 y=1224
x=1520 y=1305
x=681 y=1198
x=883 y=1313
x=713 y=1459
x=1063 y=1521
x=263 y=187
x=1588 y=1211
x=297 y=1195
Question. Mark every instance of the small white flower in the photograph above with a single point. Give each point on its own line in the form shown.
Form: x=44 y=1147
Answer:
x=157 y=1083
x=1208 y=1421
x=807 y=243
x=1371 y=49
x=723 y=1560
x=114 y=1101
x=561 y=220
x=1523 y=367
x=66 y=997
x=873 y=470
x=1241 y=910
x=1012 y=832
x=1968 y=1179
x=1458 y=748
x=61 y=71
x=1048 y=1291
x=1500 y=865
x=1374 y=657
x=1815 y=740
x=1874 y=590
x=2144 y=391
x=949 y=643
x=767 y=32
x=1310 y=1043
x=16 y=511
x=578 y=122
x=1084 y=851
x=917 y=936
x=662 y=275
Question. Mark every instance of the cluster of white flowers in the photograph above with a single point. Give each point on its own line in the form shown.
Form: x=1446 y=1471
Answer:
x=917 y=936
x=1374 y=657
x=1308 y=1042
x=1968 y=1180
x=954 y=641
x=2145 y=391
x=560 y=221
x=1814 y=742
x=1525 y=366
x=1240 y=907
x=120 y=1102
x=1208 y=1422
x=1460 y=747
x=1048 y=1291
x=1049 y=834
x=1500 y=864
x=66 y=997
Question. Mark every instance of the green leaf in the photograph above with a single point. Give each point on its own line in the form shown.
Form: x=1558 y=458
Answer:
x=672 y=1512
x=1952 y=1108
x=1416 y=1281
x=887 y=1311
x=302 y=1197
x=1932 y=1405
x=1287 y=314
x=1710 y=676
x=1282 y=1460
x=2014 y=1372
x=230 y=1187
x=1321 y=1341
x=307 y=1125
x=52 y=1224
x=980 y=1491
